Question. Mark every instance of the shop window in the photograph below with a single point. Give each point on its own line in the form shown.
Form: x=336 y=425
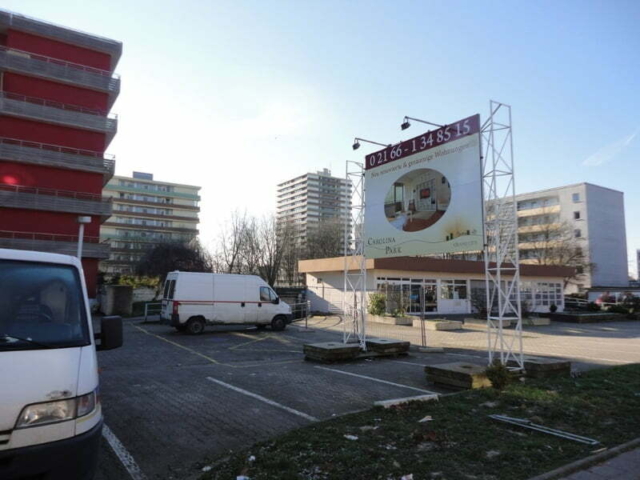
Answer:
x=453 y=289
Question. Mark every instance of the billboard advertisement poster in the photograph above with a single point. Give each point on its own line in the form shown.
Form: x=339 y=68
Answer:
x=424 y=195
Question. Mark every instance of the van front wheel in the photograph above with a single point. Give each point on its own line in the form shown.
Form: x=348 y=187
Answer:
x=195 y=326
x=278 y=324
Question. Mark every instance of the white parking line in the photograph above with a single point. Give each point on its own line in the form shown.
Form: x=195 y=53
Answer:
x=123 y=454
x=376 y=380
x=263 y=399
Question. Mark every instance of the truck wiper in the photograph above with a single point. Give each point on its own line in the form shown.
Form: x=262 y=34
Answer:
x=8 y=338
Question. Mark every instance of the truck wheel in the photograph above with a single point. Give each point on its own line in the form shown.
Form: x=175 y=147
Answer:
x=195 y=326
x=278 y=324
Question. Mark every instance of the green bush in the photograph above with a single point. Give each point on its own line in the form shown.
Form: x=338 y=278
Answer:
x=377 y=304
x=593 y=307
x=553 y=308
x=499 y=375
x=618 y=309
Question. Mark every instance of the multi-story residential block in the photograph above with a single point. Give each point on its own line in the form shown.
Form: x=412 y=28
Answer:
x=147 y=212
x=308 y=201
x=57 y=86
x=592 y=215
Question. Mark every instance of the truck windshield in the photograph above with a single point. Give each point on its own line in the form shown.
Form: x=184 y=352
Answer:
x=41 y=306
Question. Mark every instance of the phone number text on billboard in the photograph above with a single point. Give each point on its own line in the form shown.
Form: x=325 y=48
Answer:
x=435 y=138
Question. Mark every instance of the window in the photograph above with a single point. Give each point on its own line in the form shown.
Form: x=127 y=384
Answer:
x=453 y=289
x=575 y=197
x=577 y=233
x=41 y=303
x=267 y=295
x=576 y=215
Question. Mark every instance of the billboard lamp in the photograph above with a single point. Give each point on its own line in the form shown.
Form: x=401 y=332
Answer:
x=356 y=143
x=405 y=123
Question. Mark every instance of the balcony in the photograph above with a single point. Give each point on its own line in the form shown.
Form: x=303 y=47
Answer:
x=34 y=198
x=53 y=243
x=154 y=228
x=49 y=111
x=74 y=37
x=32 y=64
x=57 y=156
x=154 y=192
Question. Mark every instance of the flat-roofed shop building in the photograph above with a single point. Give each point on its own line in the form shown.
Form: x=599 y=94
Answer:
x=449 y=285
x=147 y=212
x=57 y=87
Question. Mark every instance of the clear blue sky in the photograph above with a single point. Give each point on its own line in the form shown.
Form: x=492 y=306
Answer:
x=237 y=96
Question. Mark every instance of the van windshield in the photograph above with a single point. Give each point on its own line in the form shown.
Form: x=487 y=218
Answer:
x=41 y=306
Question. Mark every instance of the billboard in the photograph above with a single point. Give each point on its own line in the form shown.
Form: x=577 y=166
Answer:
x=424 y=195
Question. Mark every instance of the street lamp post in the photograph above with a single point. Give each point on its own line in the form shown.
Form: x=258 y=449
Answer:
x=82 y=221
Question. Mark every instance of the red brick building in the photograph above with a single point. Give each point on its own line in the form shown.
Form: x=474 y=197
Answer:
x=57 y=87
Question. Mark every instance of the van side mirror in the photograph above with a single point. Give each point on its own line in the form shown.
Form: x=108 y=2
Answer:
x=276 y=301
x=110 y=335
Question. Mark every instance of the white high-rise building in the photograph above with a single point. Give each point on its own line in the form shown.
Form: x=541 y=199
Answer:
x=594 y=214
x=310 y=200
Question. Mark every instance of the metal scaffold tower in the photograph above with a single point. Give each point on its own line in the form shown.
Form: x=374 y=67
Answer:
x=502 y=267
x=355 y=263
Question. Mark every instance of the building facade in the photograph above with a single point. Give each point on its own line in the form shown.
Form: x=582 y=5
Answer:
x=308 y=201
x=592 y=215
x=146 y=212
x=57 y=87
x=450 y=287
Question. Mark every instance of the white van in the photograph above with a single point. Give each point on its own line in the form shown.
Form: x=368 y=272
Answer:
x=192 y=300
x=50 y=413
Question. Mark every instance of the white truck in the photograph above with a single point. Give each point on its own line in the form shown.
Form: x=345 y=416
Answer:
x=50 y=412
x=193 y=300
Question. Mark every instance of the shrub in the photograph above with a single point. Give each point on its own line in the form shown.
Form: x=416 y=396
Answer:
x=525 y=309
x=553 y=308
x=377 y=304
x=618 y=309
x=593 y=307
x=499 y=375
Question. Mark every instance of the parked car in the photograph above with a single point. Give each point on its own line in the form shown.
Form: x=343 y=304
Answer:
x=193 y=300
x=50 y=412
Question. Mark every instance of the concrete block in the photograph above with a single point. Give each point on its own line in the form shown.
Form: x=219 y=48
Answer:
x=388 y=320
x=388 y=347
x=331 y=351
x=458 y=374
x=535 y=322
x=438 y=324
x=540 y=367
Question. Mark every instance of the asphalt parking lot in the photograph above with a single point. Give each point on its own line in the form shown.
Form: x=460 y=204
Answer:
x=173 y=402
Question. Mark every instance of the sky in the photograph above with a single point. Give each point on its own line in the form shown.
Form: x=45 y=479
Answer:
x=237 y=96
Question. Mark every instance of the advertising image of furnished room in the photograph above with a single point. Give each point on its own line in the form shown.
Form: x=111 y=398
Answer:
x=417 y=200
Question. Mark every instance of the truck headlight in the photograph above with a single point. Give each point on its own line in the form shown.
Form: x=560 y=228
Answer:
x=57 y=411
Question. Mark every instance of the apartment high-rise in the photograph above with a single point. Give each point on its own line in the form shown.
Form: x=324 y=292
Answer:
x=593 y=215
x=57 y=87
x=147 y=212
x=307 y=201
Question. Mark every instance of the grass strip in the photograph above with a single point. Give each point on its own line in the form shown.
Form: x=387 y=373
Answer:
x=460 y=442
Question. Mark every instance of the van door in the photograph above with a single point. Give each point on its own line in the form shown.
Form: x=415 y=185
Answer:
x=251 y=310
x=167 y=303
x=266 y=307
x=230 y=299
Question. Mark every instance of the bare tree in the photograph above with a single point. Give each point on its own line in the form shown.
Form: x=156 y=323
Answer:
x=326 y=240
x=231 y=243
x=272 y=249
x=557 y=244
x=167 y=257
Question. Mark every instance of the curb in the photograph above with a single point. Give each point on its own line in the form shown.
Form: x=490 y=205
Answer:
x=584 y=463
